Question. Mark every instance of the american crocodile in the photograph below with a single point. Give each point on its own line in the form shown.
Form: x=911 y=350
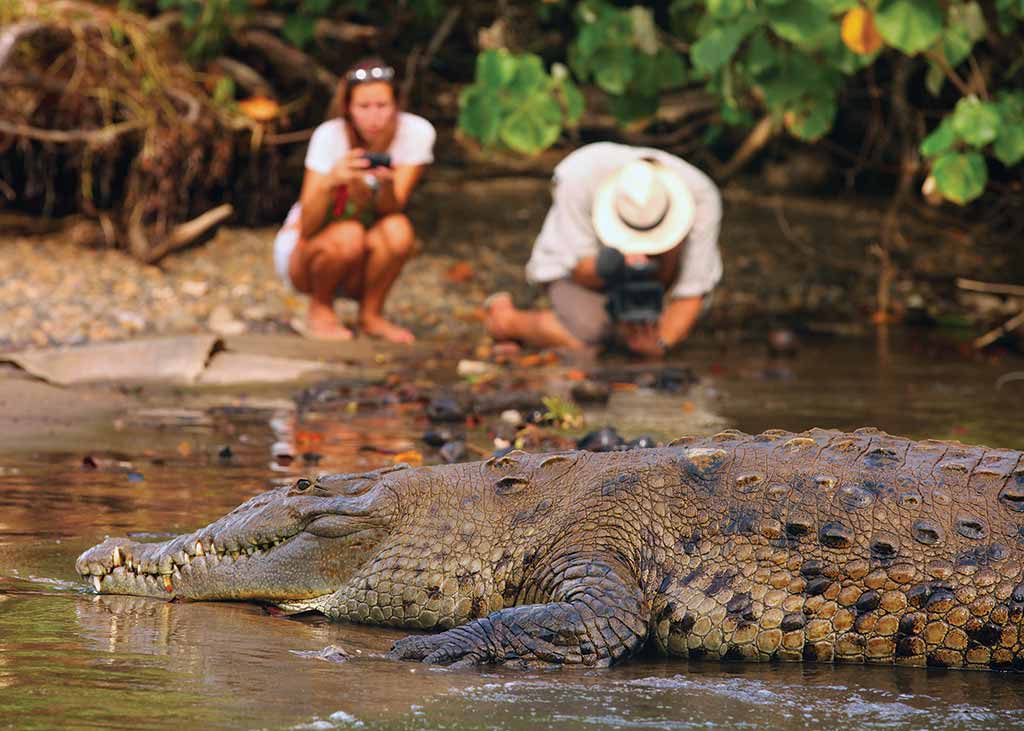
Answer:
x=821 y=546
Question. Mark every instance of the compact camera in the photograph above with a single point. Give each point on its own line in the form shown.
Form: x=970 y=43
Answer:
x=378 y=159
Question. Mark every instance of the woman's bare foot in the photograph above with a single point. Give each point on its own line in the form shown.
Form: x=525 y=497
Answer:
x=323 y=324
x=499 y=309
x=378 y=327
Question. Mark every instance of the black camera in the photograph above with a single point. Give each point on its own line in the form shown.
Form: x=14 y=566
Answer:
x=378 y=159
x=634 y=293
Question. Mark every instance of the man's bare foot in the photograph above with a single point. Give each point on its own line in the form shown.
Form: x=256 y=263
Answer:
x=378 y=327
x=499 y=309
x=323 y=324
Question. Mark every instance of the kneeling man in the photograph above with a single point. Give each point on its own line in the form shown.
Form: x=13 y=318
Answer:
x=628 y=248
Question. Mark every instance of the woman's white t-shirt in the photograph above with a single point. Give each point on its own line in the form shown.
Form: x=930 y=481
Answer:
x=413 y=145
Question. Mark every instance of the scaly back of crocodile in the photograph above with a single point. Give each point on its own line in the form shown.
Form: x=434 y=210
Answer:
x=847 y=547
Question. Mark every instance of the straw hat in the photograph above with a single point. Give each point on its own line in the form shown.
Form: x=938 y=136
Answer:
x=643 y=208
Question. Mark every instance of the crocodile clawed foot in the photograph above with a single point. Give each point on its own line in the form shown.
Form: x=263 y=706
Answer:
x=447 y=648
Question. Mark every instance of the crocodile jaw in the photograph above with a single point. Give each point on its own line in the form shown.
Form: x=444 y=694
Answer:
x=188 y=567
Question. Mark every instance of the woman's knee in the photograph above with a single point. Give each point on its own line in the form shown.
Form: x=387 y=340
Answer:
x=397 y=233
x=344 y=240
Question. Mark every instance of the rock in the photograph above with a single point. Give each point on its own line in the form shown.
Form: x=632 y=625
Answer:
x=473 y=368
x=440 y=435
x=453 y=451
x=445 y=408
x=605 y=439
x=222 y=322
x=644 y=442
x=512 y=416
x=591 y=392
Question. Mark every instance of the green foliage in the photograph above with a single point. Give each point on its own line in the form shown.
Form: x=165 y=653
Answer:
x=960 y=176
x=956 y=146
x=620 y=50
x=208 y=21
x=515 y=104
x=909 y=25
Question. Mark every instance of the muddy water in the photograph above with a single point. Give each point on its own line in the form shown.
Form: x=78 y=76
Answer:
x=70 y=659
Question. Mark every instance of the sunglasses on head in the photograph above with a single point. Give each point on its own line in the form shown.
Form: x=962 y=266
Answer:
x=375 y=73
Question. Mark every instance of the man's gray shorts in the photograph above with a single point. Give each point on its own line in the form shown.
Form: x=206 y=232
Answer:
x=583 y=311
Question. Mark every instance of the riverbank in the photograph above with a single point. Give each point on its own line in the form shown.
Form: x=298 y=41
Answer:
x=802 y=262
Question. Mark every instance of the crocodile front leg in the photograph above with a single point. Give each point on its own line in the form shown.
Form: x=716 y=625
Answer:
x=596 y=618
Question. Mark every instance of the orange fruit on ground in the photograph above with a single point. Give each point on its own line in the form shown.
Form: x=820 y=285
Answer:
x=859 y=32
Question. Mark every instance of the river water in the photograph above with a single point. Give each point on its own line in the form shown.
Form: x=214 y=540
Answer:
x=71 y=659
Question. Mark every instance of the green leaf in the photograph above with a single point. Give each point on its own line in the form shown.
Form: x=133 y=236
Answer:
x=940 y=140
x=629 y=107
x=725 y=9
x=960 y=177
x=970 y=18
x=909 y=25
x=671 y=68
x=965 y=27
x=573 y=99
x=812 y=118
x=528 y=76
x=533 y=126
x=761 y=55
x=934 y=79
x=494 y=68
x=976 y=122
x=1009 y=145
x=480 y=115
x=614 y=69
x=298 y=29
x=716 y=47
x=800 y=22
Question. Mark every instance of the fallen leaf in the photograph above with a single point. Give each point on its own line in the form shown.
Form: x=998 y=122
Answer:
x=259 y=108
x=624 y=386
x=688 y=406
x=184 y=449
x=412 y=457
x=306 y=438
x=575 y=375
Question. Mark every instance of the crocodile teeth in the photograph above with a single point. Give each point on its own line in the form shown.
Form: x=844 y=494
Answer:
x=96 y=582
x=199 y=549
x=168 y=584
x=117 y=557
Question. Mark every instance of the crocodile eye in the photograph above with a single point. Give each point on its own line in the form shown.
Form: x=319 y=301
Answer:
x=302 y=484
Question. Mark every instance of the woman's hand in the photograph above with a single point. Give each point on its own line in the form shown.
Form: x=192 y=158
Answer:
x=348 y=168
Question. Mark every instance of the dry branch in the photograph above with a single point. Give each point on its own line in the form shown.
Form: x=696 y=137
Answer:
x=974 y=285
x=292 y=62
x=755 y=141
x=992 y=335
x=185 y=233
x=101 y=136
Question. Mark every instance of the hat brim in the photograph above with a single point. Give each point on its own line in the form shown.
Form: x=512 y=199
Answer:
x=614 y=232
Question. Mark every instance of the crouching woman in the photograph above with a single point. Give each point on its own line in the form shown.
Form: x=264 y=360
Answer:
x=348 y=236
